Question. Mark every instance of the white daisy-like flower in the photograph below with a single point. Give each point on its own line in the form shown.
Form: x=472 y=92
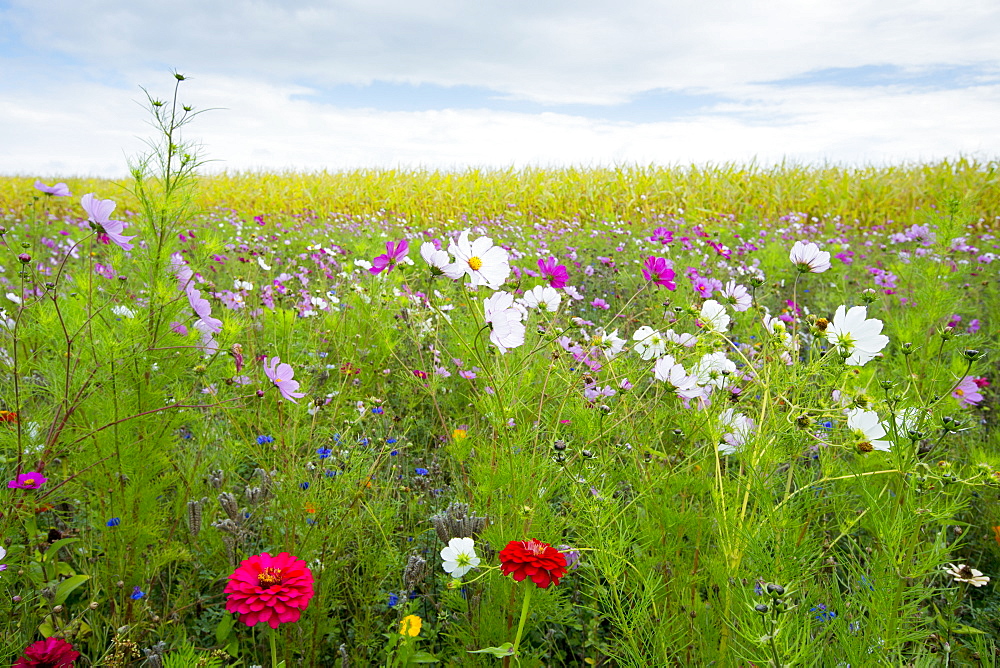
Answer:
x=714 y=316
x=737 y=296
x=505 y=317
x=963 y=573
x=459 y=557
x=649 y=343
x=542 y=297
x=668 y=371
x=809 y=258
x=869 y=429
x=858 y=337
x=712 y=369
x=498 y=302
x=437 y=259
x=484 y=263
x=740 y=426
x=611 y=344
x=682 y=339
x=123 y=311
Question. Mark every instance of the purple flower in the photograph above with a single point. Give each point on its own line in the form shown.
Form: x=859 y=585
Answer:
x=100 y=211
x=137 y=593
x=663 y=235
x=658 y=270
x=29 y=480
x=556 y=274
x=58 y=190
x=394 y=252
x=967 y=392
x=600 y=303
x=281 y=375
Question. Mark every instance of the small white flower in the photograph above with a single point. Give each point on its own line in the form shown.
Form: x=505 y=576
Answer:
x=242 y=285
x=714 y=316
x=963 y=573
x=809 y=258
x=459 y=557
x=741 y=427
x=649 y=343
x=572 y=292
x=364 y=264
x=869 y=428
x=506 y=329
x=480 y=260
x=682 y=339
x=437 y=259
x=712 y=369
x=263 y=265
x=542 y=297
x=860 y=338
x=14 y=298
x=123 y=311
x=611 y=344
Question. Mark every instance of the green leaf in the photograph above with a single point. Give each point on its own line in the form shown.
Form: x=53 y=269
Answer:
x=224 y=629
x=67 y=586
x=962 y=628
x=506 y=649
x=421 y=657
x=52 y=550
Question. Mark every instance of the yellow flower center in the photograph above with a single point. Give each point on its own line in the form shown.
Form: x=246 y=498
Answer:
x=28 y=481
x=475 y=263
x=960 y=392
x=269 y=576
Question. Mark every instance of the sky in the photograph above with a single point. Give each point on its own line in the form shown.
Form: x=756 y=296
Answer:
x=459 y=84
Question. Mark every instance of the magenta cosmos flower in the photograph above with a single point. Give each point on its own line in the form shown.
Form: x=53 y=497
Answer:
x=281 y=375
x=274 y=590
x=29 y=480
x=100 y=211
x=556 y=274
x=658 y=270
x=967 y=392
x=58 y=190
x=394 y=252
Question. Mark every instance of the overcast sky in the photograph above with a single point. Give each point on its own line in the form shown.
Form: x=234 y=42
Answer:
x=450 y=84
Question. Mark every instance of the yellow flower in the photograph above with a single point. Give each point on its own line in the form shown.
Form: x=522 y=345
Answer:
x=459 y=434
x=410 y=626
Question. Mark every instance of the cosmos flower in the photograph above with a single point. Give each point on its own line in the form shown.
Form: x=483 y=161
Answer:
x=274 y=590
x=740 y=426
x=869 y=429
x=658 y=270
x=809 y=258
x=49 y=653
x=484 y=263
x=713 y=369
x=649 y=343
x=555 y=273
x=459 y=557
x=100 y=211
x=737 y=296
x=437 y=259
x=29 y=480
x=394 y=252
x=504 y=317
x=533 y=559
x=542 y=297
x=58 y=190
x=963 y=573
x=967 y=392
x=281 y=375
x=858 y=337
x=713 y=315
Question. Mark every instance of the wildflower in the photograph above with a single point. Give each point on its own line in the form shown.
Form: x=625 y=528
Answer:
x=377 y=410
x=859 y=338
x=649 y=343
x=421 y=471
x=611 y=344
x=663 y=235
x=3 y=553
x=505 y=320
x=30 y=480
x=737 y=296
x=483 y=262
x=556 y=274
x=741 y=427
x=49 y=653
x=113 y=522
x=437 y=259
x=963 y=573
x=809 y=258
x=8 y=416
x=394 y=252
x=866 y=424
x=459 y=557
x=281 y=375
x=542 y=297
x=823 y=614
x=713 y=315
x=967 y=392
x=533 y=559
x=712 y=369
x=324 y=452
x=274 y=590
x=261 y=440
x=422 y=375
x=658 y=270
x=137 y=593
x=410 y=626
x=99 y=211
x=58 y=190
x=600 y=303
x=459 y=434
x=393 y=600
x=572 y=557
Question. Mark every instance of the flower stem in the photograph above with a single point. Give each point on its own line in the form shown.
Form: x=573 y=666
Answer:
x=274 y=648
x=524 y=617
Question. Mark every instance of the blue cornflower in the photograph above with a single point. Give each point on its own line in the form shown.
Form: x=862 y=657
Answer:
x=330 y=473
x=393 y=600
x=421 y=471
x=823 y=615
x=114 y=521
x=377 y=410
x=304 y=485
x=137 y=593
x=390 y=441
x=261 y=440
x=393 y=453
x=363 y=441
x=826 y=425
x=324 y=452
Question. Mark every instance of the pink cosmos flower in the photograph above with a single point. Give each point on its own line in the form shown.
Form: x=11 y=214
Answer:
x=663 y=235
x=100 y=211
x=967 y=392
x=658 y=270
x=394 y=252
x=58 y=190
x=556 y=274
x=281 y=375
x=600 y=303
x=29 y=480
x=809 y=258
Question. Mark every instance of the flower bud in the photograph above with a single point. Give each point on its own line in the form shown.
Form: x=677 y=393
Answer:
x=775 y=590
x=24 y=258
x=761 y=608
x=907 y=348
x=868 y=295
x=971 y=354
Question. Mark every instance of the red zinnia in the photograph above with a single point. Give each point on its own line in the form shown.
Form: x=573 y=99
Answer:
x=533 y=559
x=48 y=653
x=270 y=589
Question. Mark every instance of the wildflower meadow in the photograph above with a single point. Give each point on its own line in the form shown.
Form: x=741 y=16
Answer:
x=732 y=416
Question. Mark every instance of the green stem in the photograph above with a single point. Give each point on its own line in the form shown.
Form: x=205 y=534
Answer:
x=274 y=648
x=524 y=617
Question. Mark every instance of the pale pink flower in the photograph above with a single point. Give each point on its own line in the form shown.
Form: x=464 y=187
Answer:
x=100 y=211
x=809 y=258
x=281 y=375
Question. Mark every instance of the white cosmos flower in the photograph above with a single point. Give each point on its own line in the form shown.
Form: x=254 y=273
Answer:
x=867 y=424
x=437 y=259
x=737 y=296
x=649 y=343
x=809 y=258
x=542 y=297
x=858 y=336
x=480 y=260
x=682 y=339
x=611 y=344
x=713 y=315
x=712 y=369
x=497 y=303
x=505 y=319
x=459 y=557
x=741 y=427
x=964 y=573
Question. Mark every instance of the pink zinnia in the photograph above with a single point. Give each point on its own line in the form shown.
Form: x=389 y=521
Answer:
x=967 y=392
x=274 y=590
x=29 y=480
x=281 y=375
x=100 y=211
x=48 y=653
x=555 y=273
x=658 y=270
x=394 y=252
